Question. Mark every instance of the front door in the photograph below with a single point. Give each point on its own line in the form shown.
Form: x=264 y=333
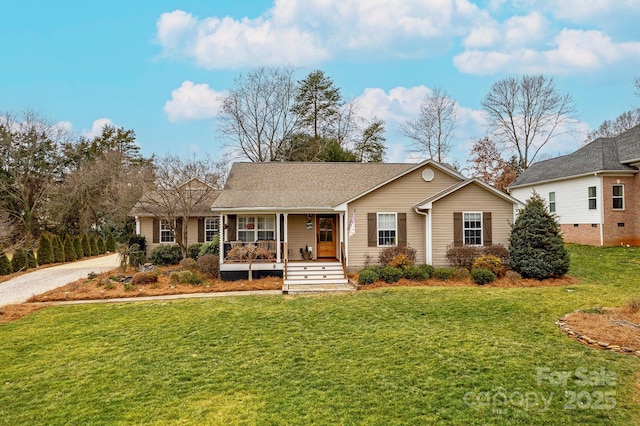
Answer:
x=326 y=234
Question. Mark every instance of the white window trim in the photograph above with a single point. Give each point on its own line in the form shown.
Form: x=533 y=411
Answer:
x=378 y=229
x=214 y=229
x=256 y=228
x=613 y=197
x=464 y=237
x=595 y=198
x=552 y=202
x=164 y=229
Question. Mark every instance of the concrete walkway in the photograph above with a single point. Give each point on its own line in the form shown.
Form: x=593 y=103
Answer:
x=21 y=288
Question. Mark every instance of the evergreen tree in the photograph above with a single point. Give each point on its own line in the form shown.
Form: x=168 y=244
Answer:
x=69 y=252
x=45 y=250
x=110 y=243
x=86 y=247
x=31 y=259
x=5 y=264
x=58 y=249
x=102 y=248
x=77 y=247
x=93 y=243
x=537 y=250
x=19 y=260
x=317 y=104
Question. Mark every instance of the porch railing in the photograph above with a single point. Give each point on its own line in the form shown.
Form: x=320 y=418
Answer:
x=343 y=259
x=233 y=251
x=285 y=257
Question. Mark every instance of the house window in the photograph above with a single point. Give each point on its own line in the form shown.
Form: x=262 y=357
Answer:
x=472 y=227
x=552 y=202
x=592 y=198
x=387 y=229
x=166 y=234
x=252 y=228
x=211 y=228
x=618 y=197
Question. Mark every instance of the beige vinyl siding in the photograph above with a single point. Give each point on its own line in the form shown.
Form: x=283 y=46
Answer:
x=397 y=196
x=146 y=230
x=299 y=236
x=471 y=198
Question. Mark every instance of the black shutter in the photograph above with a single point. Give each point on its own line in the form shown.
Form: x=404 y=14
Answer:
x=156 y=231
x=201 y=229
x=178 y=230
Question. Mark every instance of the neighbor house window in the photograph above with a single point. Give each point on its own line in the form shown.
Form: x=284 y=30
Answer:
x=618 y=197
x=592 y=198
x=252 y=228
x=472 y=226
x=387 y=229
x=166 y=234
x=552 y=202
x=211 y=228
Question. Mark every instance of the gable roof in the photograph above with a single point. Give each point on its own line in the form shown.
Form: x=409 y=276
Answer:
x=303 y=185
x=602 y=155
x=146 y=206
x=427 y=204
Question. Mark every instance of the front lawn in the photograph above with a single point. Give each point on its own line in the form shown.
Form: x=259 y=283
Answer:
x=419 y=355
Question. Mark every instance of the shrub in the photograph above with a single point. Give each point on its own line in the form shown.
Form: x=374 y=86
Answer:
x=512 y=276
x=491 y=263
x=139 y=240
x=137 y=257
x=482 y=276
x=185 y=277
x=19 y=260
x=45 y=250
x=93 y=244
x=386 y=255
x=128 y=286
x=144 y=278
x=58 y=249
x=69 y=252
x=110 y=243
x=367 y=276
x=462 y=256
x=209 y=264
x=499 y=251
x=241 y=253
x=428 y=269
x=211 y=247
x=389 y=274
x=5 y=264
x=102 y=247
x=166 y=254
x=188 y=264
x=193 y=251
x=415 y=273
x=86 y=246
x=77 y=247
x=31 y=259
x=460 y=273
x=537 y=250
x=442 y=274
x=401 y=261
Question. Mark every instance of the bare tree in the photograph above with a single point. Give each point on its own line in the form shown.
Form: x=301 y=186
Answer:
x=611 y=128
x=181 y=186
x=257 y=115
x=525 y=114
x=431 y=132
x=636 y=83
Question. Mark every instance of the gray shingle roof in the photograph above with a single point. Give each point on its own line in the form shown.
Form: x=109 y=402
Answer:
x=146 y=206
x=603 y=154
x=302 y=185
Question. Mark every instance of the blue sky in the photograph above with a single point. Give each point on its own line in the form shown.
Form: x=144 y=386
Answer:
x=159 y=67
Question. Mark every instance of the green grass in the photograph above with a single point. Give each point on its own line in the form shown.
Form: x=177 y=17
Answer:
x=389 y=356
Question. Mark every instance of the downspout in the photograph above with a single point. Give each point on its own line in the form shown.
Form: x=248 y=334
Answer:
x=427 y=236
x=601 y=201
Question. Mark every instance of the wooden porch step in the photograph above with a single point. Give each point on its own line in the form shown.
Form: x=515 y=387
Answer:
x=315 y=281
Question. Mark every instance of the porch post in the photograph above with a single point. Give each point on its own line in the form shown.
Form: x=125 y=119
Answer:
x=341 y=233
x=286 y=232
x=223 y=237
x=278 y=230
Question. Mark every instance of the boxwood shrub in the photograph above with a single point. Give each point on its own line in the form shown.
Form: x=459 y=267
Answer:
x=389 y=274
x=442 y=274
x=167 y=254
x=368 y=276
x=415 y=273
x=482 y=276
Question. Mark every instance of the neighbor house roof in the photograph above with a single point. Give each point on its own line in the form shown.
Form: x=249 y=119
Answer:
x=155 y=203
x=306 y=185
x=602 y=155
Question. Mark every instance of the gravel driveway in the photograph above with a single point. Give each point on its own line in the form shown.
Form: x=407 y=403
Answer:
x=20 y=289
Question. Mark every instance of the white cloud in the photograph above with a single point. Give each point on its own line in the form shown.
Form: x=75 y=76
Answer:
x=585 y=10
x=96 y=127
x=63 y=126
x=193 y=102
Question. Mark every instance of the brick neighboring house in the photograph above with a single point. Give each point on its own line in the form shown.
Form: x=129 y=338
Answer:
x=594 y=191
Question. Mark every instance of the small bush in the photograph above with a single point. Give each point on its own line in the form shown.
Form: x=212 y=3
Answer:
x=389 y=274
x=463 y=256
x=31 y=259
x=482 y=276
x=19 y=260
x=5 y=264
x=144 y=278
x=128 y=286
x=188 y=264
x=211 y=247
x=93 y=244
x=442 y=274
x=166 y=254
x=109 y=286
x=77 y=247
x=69 y=252
x=86 y=246
x=110 y=243
x=140 y=241
x=460 y=273
x=58 y=249
x=512 y=276
x=491 y=263
x=401 y=261
x=102 y=247
x=499 y=251
x=367 y=276
x=185 y=277
x=415 y=273
x=428 y=269
x=209 y=264
x=389 y=253
x=193 y=251
x=45 y=251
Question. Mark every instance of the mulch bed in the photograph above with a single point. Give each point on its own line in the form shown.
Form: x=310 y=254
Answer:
x=499 y=283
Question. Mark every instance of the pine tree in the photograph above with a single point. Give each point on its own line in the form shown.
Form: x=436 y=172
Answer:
x=102 y=248
x=537 y=250
x=5 y=264
x=31 y=259
x=77 y=247
x=19 y=260
x=94 y=246
x=45 y=250
x=86 y=247
x=110 y=243
x=69 y=252
x=58 y=249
